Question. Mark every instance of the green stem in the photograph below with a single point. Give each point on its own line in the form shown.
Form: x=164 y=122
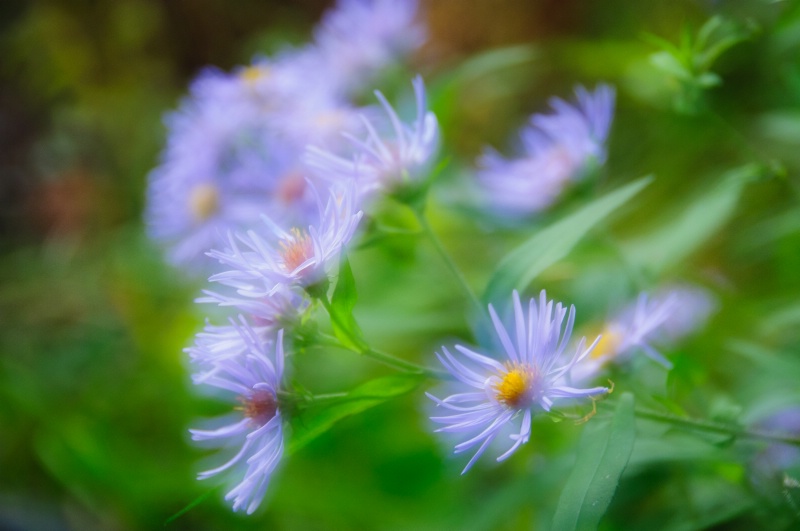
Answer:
x=383 y=357
x=447 y=259
x=717 y=427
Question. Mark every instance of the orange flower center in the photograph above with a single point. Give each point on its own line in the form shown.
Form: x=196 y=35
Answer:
x=296 y=249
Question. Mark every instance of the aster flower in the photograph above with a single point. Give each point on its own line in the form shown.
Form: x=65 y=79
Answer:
x=557 y=149
x=280 y=309
x=668 y=316
x=385 y=161
x=235 y=150
x=255 y=379
x=496 y=394
x=358 y=38
x=260 y=265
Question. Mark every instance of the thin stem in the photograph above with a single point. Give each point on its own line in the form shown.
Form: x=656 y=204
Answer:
x=383 y=357
x=447 y=259
x=716 y=427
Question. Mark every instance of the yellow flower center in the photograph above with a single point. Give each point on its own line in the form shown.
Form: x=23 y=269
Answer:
x=296 y=249
x=251 y=74
x=516 y=387
x=608 y=345
x=203 y=201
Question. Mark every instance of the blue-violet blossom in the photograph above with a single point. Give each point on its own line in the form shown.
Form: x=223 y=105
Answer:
x=670 y=314
x=255 y=379
x=556 y=150
x=260 y=265
x=387 y=161
x=493 y=393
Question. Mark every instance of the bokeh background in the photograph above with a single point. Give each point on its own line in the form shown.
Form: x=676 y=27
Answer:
x=95 y=398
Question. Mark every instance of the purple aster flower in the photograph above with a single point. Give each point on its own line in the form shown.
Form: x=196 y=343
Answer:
x=359 y=38
x=235 y=151
x=494 y=394
x=557 y=149
x=668 y=316
x=260 y=265
x=280 y=309
x=255 y=380
x=390 y=161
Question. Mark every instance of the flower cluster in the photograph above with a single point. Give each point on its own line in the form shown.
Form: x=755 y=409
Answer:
x=267 y=175
x=236 y=144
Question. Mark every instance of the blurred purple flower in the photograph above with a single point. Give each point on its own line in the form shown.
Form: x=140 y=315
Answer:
x=672 y=313
x=358 y=38
x=262 y=266
x=234 y=152
x=557 y=149
x=280 y=309
x=493 y=394
x=255 y=379
x=385 y=160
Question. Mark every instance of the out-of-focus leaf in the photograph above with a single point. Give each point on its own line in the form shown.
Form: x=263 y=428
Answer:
x=489 y=62
x=669 y=64
x=546 y=247
x=315 y=421
x=602 y=456
x=690 y=226
x=343 y=301
x=786 y=366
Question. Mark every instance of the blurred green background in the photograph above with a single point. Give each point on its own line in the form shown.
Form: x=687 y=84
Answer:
x=95 y=398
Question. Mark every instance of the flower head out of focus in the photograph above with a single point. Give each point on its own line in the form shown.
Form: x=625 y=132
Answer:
x=557 y=149
x=359 y=38
x=254 y=378
x=388 y=160
x=494 y=394
x=664 y=318
x=260 y=266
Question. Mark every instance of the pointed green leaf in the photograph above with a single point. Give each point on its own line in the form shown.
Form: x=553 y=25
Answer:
x=603 y=454
x=689 y=226
x=343 y=301
x=550 y=245
x=315 y=421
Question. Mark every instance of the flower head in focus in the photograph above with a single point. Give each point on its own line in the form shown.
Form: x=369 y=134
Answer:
x=494 y=394
x=262 y=265
x=664 y=318
x=557 y=149
x=391 y=159
x=359 y=38
x=254 y=377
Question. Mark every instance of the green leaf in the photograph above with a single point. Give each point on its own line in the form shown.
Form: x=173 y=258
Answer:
x=550 y=245
x=343 y=301
x=316 y=420
x=670 y=64
x=689 y=226
x=603 y=454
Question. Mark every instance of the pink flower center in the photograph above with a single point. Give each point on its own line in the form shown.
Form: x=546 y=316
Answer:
x=260 y=407
x=296 y=249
